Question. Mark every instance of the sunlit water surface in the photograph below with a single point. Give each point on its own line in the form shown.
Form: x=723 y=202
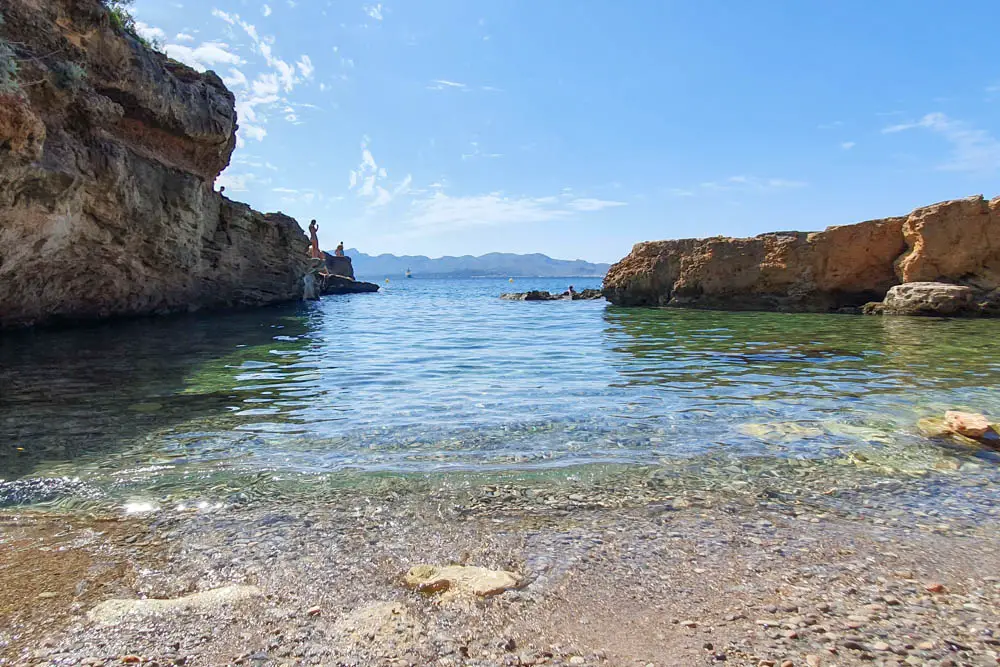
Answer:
x=441 y=377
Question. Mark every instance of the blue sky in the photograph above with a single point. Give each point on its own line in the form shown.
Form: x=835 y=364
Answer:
x=579 y=128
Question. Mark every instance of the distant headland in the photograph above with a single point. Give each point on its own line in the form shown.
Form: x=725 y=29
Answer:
x=491 y=265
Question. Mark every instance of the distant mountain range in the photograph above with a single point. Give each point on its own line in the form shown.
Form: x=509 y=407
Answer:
x=492 y=265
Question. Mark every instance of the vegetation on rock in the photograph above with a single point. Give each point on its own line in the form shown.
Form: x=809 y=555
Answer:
x=123 y=21
x=8 y=66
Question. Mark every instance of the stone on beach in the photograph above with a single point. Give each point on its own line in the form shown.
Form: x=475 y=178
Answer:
x=460 y=580
x=969 y=424
x=112 y=612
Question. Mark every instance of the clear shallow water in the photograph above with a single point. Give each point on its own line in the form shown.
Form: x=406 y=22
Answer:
x=433 y=376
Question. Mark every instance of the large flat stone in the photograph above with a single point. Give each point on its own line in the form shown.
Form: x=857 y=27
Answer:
x=112 y=612
x=929 y=298
x=459 y=580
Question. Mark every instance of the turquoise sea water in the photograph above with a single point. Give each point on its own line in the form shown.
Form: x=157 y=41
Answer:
x=441 y=376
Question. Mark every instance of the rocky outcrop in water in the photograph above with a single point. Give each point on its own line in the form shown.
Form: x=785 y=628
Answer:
x=955 y=242
x=338 y=266
x=333 y=275
x=541 y=295
x=341 y=285
x=108 y=154
x=926 y=299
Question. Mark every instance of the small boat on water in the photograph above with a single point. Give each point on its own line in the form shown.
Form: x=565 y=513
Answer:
x=408 y=274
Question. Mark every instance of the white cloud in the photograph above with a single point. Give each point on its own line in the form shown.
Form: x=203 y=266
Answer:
x=587 y=204
x=253 y=132
x=368 y=186
x=150 y=33
x=369 y=180
x=477 y=153
x=743 y=183
x=266 y=85
x=831 y=126
x=183 y=37
x=204 y=57
x=256 y=100
x=441 y=212
x=972 y=149
x=306 y=67
x=233 y=182
x=236 y=78
x=374 y=11
x=266 y=10
x=848 y=145
x=444 y=84
x=783 y=183
x=680 y=192
x=288 y=191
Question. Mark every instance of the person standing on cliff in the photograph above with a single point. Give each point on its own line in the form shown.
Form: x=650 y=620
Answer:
x=339 y=252
x=314 y=239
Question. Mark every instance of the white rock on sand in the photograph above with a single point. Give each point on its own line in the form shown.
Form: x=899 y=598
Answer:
x=112 y=612
x=458 y=580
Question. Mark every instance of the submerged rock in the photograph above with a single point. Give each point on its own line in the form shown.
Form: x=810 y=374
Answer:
x=112 y=612
x=966 y=428
x=830 y=271
x=460 y=580
x=44 y=489
x=379 y=623
x=969 y=424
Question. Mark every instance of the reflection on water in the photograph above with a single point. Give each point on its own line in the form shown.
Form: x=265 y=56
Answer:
x=443 y=376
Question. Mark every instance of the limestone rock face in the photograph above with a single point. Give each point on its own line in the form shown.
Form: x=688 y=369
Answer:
x=839 y=268
x=107 y=165
x=955 y=242
x=929 y=299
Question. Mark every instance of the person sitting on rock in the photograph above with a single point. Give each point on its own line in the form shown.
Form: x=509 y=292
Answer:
x=339 y=252
x=571 y=293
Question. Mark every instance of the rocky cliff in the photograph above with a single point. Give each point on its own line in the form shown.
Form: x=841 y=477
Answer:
x=108 y=155
x=955 y=242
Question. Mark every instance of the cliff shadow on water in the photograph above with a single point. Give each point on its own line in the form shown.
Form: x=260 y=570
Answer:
x=99 y=392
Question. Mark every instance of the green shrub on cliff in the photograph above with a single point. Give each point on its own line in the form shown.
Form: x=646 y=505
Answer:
x=69 y=75
x=123 y=21
x=8 y=68
x=121 y=18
